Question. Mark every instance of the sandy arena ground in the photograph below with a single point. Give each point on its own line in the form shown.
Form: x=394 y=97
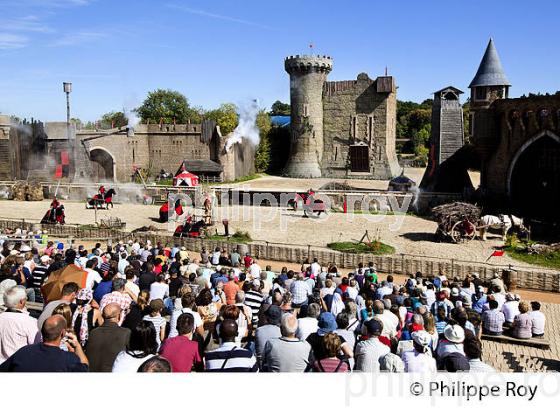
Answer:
x=275 y=182
x=408 y=234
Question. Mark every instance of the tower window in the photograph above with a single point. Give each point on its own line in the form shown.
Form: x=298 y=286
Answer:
x=480 y=93
x=305 y=110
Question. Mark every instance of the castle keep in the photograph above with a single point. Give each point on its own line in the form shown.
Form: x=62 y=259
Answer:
x=341 y=129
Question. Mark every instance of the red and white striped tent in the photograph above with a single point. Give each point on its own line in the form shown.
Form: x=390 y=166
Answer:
x=184 y=178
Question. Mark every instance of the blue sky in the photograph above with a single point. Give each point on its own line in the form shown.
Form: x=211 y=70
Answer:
x=115 y=51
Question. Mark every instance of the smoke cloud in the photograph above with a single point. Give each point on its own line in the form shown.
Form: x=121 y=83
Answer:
x=247 y=127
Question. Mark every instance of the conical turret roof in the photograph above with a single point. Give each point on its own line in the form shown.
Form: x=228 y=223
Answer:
x=490 y=71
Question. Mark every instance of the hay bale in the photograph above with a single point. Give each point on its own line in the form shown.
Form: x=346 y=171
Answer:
x=18 y=191
x=34 y=192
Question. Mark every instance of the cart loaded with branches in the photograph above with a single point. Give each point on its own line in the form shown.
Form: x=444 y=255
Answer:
x=457 y=221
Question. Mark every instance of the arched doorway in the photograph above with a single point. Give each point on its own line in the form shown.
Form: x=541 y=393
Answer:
x=102 y=164
x=534 y=178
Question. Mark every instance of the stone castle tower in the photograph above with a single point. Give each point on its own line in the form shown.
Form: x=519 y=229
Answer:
x=307 y=76
x=488 y=85
x=340 y=129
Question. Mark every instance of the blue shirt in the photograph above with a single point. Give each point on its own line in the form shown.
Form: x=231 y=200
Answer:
x=42 y=358
x=104 y=287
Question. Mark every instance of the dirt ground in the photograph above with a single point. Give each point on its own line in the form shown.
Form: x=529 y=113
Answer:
x=406 y=233
x=275 y=182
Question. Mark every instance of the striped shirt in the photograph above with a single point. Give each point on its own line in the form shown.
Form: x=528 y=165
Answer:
x=230 y=358
x=158 y=323
x=254 y=300
x=39 y=276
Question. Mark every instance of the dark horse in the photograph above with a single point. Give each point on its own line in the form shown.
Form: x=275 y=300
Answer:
x=55 y=215
x=97 y=200
x=189 y=229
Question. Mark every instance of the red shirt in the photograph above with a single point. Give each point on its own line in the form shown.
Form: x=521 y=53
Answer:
x=181 y=352
x=230 y=289
x=248 y=261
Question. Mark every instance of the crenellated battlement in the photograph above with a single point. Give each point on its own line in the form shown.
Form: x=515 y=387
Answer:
x=308 y=63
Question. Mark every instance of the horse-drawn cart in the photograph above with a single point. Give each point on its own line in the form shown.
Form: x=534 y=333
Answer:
x=457 y=221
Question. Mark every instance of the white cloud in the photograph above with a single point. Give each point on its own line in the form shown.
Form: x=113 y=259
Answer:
x=78 y=38
x=29 y=23
x=216 y=16
x=9 y=41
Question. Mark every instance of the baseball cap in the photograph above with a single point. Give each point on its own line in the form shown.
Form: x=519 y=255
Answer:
x=456 y=362
x=374 y=327
x=274 y=315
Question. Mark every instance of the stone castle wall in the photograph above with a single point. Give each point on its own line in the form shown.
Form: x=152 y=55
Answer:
x=355 y=113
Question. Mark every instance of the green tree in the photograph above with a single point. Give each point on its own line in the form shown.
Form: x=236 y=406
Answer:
x=225 y=116
x=280 y=108
x=167 y=106
x=263 y=153
x=113 y=119
x=467 y=121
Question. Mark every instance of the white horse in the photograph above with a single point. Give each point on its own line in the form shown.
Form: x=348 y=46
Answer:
x=501 y=222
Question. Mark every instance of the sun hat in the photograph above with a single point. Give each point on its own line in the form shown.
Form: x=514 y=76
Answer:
x=454 y=333
x=326 y=323
x=421 y=337
x=454 y=292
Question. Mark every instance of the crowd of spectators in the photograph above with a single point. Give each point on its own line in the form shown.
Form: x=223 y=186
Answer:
x=153 y=308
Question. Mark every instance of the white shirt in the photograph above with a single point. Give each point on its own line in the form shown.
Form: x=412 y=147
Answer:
x=368 y=353
x=123 y=263
x=510 y=310
x=390 y=323
x=215 y=258
x=159 y=290
x=255 y=271
x=315 y=268
x=125 y=363
x=175 y=315
x=306 y=326
x=539 y=320
x=93 y=277
x=133 y=287
x=415 y=362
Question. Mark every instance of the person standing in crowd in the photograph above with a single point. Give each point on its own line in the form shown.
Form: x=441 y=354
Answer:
x=68 y=295
x=17 y=328
x=142 y=346
x=269 y=330
x=331 y=363
x=473 y=352
x=287 y=353
x=119 y=296
x=420 y=359
x=181 y=351
x=47 y=355
x=106 y=341
x=308 y=324
x=370 y=351
x=229 y=357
